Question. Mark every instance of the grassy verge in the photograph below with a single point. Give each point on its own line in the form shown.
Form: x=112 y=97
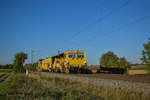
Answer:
x=39 y=87
x=2 y=75
x=5 y=86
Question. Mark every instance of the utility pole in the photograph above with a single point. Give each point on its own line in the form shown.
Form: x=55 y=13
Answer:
x=58 y=51
x=32 y=56
x=27 y=72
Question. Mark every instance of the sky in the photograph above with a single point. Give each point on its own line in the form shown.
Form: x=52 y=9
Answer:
x=95 y=26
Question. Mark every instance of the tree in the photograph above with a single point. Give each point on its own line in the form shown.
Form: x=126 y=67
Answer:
x=19 y=61
x=109 y=59
x=146 y=55
x=123 y=63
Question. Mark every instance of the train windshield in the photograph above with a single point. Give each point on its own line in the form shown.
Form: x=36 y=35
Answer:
x=80 y=55
x=71 y=55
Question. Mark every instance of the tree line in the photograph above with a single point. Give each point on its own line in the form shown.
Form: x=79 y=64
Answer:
x=7 y=66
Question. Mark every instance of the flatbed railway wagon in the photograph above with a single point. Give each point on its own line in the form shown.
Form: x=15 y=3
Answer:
x=69 y=61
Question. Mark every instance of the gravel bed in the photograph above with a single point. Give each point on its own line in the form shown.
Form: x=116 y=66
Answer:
x=131 y=86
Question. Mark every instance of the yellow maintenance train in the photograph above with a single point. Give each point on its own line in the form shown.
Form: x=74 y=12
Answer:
x=68 y=61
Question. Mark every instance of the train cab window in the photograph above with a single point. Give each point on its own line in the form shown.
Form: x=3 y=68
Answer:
x=80 y=55
x=71 y=55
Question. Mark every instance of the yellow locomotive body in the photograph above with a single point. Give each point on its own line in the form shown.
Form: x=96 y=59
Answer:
x=45 y=64
x=39 y=67
x=68 y=61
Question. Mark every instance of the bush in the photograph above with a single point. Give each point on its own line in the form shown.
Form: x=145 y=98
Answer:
x=146 y=55
x=31 y=67
x=111 y=63
x=19 y=61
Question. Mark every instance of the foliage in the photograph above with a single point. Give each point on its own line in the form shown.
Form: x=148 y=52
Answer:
x=31 y=67
x=19 y=61
x=123 y=63
x=146 y=55
x=111 y=60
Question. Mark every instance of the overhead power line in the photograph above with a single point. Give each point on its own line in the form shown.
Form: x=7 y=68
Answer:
x=101 y=19
x=119 y=28
x=92 y=39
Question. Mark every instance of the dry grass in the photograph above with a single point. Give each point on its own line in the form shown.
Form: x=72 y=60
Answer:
x=93 y=68
x=45 y=87
x=138 y=69
x=133 y=72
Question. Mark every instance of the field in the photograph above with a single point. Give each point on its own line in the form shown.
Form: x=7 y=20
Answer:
x=133 y=72
x=138 y=69
x=39 y=86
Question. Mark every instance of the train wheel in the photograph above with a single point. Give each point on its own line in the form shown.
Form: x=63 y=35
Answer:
x=67 y=71
x=85 y=71
x=71 y=70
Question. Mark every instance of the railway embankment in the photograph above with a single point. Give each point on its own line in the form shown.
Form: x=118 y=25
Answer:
x=110 y=83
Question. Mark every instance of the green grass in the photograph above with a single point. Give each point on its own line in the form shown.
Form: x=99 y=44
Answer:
x=39 y=87
x=5 y=86
x=3 y=74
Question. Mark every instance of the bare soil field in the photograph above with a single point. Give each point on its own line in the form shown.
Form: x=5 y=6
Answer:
x=138 y=67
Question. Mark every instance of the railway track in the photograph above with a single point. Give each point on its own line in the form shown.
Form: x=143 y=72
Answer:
x=123 y=77
x=131 y=78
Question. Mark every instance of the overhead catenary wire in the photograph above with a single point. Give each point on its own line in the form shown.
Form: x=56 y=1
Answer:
x=92 y=39
x=100 y=19
x=70 y=40
x=89 y=41
x=119 y=28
